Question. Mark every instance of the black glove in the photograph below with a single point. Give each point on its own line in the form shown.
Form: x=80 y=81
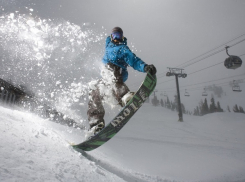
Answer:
x=151 y=69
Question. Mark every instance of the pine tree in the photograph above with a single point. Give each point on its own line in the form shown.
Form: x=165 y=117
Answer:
x=155 y=101
x=198 y=112
x=173 y=107
x=228 y=109
x=204 y=108
x=195 y=112
x=212 y=107
x=219 y=109
x=235 y=108
x=162 y=104
x=183 y=108
x=168 y=103
x=165 y=103
x=200 y=107
x=241 y=110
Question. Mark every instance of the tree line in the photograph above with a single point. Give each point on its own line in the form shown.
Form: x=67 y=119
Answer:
x=203 y=107
x=173 y=105
x=200 y=110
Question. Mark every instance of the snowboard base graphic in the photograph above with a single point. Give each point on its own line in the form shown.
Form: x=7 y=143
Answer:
x=122 y=118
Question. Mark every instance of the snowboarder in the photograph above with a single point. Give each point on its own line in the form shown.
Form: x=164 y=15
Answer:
x=116 y=59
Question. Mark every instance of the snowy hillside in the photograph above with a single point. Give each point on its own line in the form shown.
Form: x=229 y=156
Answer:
x=153 y=146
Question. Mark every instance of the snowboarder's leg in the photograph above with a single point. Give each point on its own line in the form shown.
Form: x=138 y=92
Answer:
x=120 y=90
x=96 y=110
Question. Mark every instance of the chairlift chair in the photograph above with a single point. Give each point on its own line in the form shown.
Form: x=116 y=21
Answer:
x=236 y=87
x=204 y=93
x=232 y=62
x=186 y=93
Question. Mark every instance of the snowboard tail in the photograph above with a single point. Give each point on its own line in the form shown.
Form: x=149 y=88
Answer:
x=123 y=116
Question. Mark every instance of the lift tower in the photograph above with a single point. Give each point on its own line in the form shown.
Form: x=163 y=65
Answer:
x=177 y=72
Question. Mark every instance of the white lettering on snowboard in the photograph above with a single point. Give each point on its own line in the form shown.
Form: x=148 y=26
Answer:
x=127 y=111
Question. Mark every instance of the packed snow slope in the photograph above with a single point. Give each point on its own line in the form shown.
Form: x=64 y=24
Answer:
x=153 y=146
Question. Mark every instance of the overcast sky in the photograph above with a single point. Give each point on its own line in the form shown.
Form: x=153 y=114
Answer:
x=165 y=33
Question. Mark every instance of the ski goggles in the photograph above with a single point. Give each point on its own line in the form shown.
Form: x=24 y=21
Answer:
x=117 y=36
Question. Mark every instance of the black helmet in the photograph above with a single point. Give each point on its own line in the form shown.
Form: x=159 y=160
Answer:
x=117 y=33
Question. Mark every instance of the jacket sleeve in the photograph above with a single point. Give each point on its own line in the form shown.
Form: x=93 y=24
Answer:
x=132 y=60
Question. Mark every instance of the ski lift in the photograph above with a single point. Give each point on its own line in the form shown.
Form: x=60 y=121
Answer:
x=232 y=62
x=169 y=74
x=236 y=87
x=165 y=95
x=186 y=93
x=204 y=93
x=176 y=72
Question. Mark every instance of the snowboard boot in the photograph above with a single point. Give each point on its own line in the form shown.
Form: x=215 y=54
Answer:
x=95 y=129
x=126 y=98
x=99 y=127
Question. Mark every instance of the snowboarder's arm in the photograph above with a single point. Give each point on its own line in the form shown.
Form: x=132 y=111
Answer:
x=131 y=59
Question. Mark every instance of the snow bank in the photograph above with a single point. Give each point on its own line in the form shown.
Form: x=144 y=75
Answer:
x=153 y=146
x=33 y=151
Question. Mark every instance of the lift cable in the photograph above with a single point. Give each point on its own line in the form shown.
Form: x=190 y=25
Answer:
x=201 y=88
x=194 y=72
x=205 y=68
x=205 y=82
x=213 y=54
x=198 y=70
x=208 y=57
x=214 y=49
x=210 y=66
x=205 y=58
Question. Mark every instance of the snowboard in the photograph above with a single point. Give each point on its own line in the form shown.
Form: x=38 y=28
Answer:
x=117 y=123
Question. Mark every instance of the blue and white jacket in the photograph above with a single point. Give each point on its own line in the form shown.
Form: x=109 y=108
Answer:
x=122 y=56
